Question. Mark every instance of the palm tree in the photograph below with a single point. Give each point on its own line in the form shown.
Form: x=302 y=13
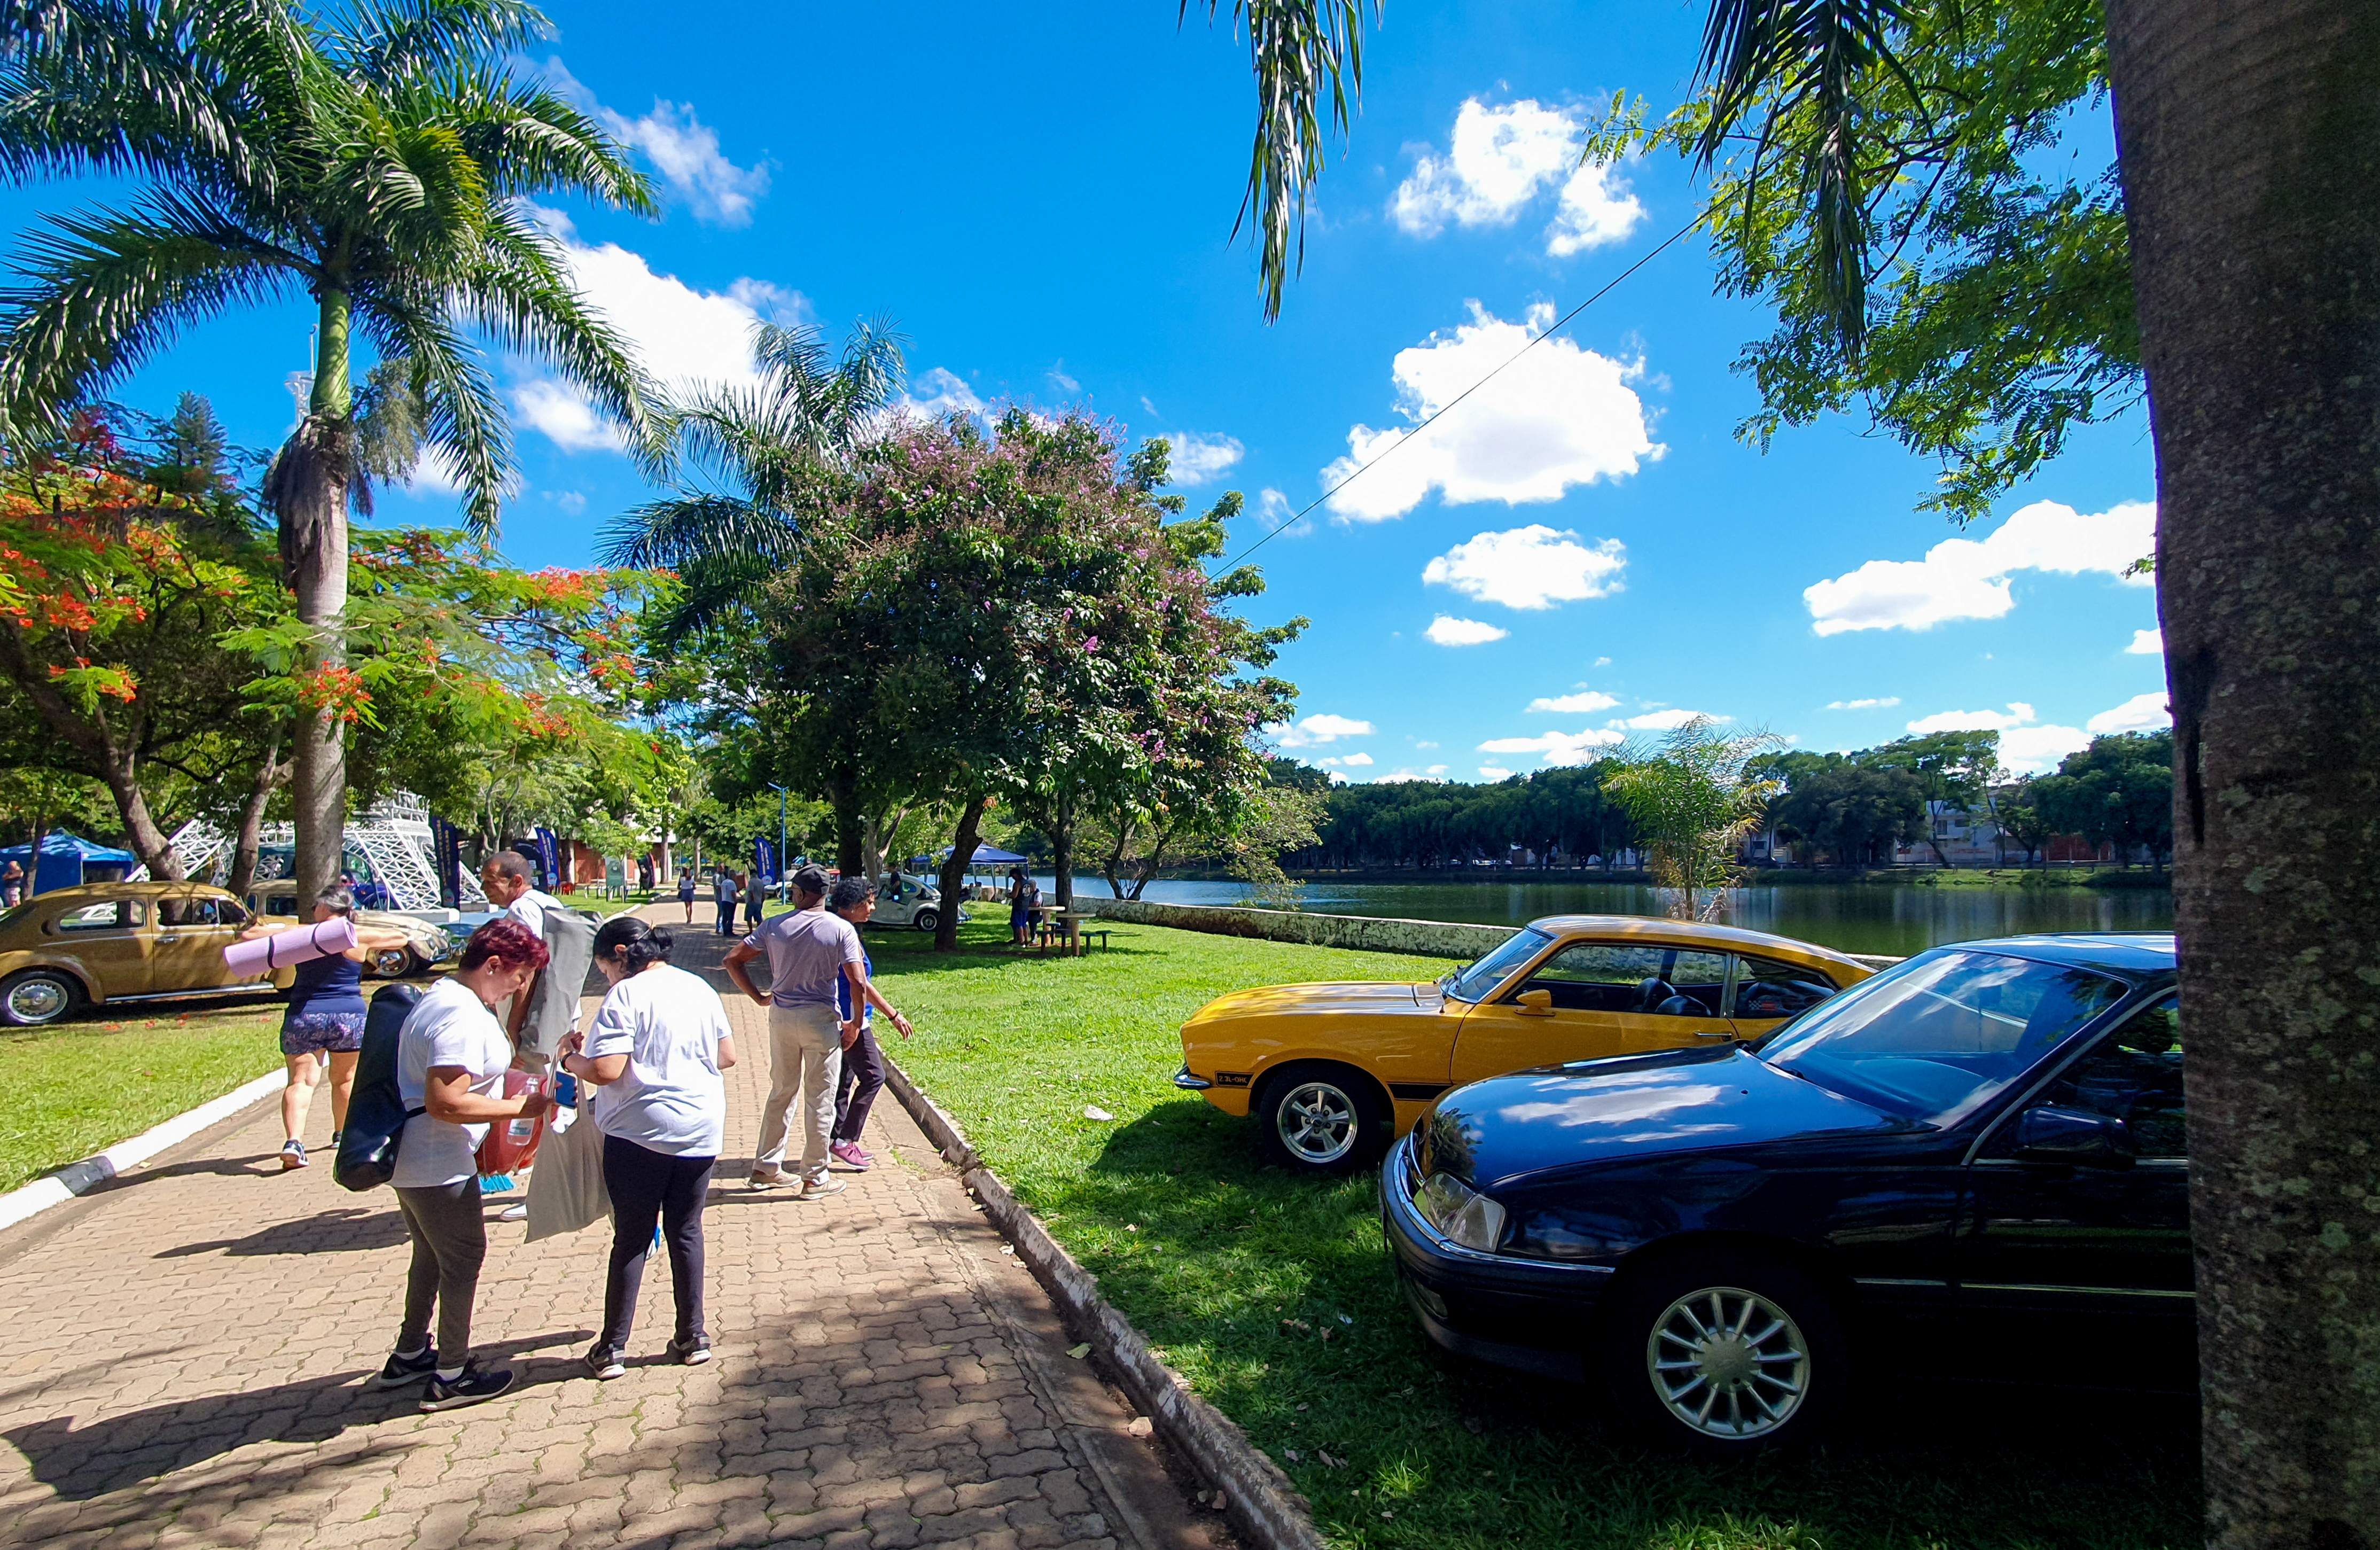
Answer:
x=378 y=160
x=754 y=456
x=2248 y=143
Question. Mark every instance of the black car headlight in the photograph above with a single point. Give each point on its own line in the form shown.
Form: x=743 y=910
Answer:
x=1461 y=1213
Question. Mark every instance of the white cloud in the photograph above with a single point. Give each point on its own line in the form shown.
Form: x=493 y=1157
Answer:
x=1558 y=748
x=2019 y=714
x=564 y=416
x=1436 y=771
x=434 y=474
x=1201 y=459
x=1667 y=721
x=2142 y=712
x=1448 y=630
x=1585 y=703
x=1424 y=743
x=1495 y=772
x=1316 y=729
x=1500 y=159
x=1349 y=761
x=1529 y=567
x=1560 y=416
x=1146 y=404
x=1964 y=578
x=682 y=149
x=1602 y=661
x=941 y=392
x=572 y=502
x=1886 y=703
x=1058 y=379
x=2146 y=643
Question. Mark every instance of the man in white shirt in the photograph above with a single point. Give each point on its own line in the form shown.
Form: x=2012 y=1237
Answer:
x=510 y=880
x=807 y=951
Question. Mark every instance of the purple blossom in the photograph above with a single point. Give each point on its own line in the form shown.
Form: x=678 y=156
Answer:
x=1091 y=644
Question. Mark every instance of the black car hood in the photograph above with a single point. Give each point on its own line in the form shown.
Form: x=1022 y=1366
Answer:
x=1529 y=1123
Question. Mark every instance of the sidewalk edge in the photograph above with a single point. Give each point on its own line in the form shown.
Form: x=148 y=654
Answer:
x=87 y=1174
x=1261 y=1499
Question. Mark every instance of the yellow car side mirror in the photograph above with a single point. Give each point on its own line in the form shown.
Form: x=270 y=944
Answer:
x=1535 y=1003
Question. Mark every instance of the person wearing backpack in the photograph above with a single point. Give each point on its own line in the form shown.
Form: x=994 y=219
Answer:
x=451 y=1060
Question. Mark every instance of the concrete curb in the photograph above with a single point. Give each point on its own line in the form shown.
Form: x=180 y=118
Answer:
x=90 y=1173
x=1262 y=1503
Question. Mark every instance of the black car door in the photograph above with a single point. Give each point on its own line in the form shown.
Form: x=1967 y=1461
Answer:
x=2073 y=1257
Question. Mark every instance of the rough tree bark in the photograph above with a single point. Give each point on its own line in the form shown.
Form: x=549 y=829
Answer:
x=2249 y=139
x=955 y=869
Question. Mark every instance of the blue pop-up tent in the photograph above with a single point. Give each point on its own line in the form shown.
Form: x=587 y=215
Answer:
x=993 y=855
x=68 y=860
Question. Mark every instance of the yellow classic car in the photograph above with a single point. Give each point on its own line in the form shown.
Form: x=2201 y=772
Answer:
x=1334 y=1072
x=108 y=942
x=425 y=945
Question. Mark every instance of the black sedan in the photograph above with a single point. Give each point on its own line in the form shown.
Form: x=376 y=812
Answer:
x=1972 y=1165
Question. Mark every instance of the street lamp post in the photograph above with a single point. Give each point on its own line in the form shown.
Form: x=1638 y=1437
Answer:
x=782 y=858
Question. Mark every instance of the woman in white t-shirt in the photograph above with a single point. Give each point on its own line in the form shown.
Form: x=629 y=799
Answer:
x=654 y=1054
x=451 y=1058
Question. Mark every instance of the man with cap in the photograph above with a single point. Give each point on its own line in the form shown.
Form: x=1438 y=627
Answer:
x=808 y=951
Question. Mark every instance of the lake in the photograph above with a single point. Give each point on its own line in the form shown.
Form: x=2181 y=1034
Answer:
x=1886 y=918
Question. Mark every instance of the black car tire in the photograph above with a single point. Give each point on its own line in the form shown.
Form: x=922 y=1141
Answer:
x=928 y=920
x=1770 y=1379
x=37 y=997
x=1321 y=1119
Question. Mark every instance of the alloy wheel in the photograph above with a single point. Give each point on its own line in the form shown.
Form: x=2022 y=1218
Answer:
x=1728 y=1363
x=1318 y=1122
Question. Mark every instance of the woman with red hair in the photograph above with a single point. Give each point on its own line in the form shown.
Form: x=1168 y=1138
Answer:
x=451 y=1060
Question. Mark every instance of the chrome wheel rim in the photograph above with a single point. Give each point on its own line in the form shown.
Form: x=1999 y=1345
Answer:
x=392 y=963
x=36 y=1000
x=1728 y=1363
x=928 y=920
x=1318 y=1122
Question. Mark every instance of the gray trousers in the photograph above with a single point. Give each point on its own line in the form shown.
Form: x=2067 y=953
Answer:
x=804 y=1061
x=450 y=1241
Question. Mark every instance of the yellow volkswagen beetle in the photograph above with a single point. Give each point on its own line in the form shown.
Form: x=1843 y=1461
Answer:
x=101 y=943
x=1334 y=1072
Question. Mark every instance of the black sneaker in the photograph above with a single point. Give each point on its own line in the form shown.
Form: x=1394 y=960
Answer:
x=474 y=1386
x=604 y=1363
x=402 y=1368
x=690 y=1353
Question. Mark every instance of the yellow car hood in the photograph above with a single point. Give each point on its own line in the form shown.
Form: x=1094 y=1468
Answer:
x=1371 y=997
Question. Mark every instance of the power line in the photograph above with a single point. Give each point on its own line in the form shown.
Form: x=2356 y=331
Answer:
x=1560 y=324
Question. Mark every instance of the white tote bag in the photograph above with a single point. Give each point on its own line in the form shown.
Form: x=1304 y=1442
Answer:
x=565 y=1189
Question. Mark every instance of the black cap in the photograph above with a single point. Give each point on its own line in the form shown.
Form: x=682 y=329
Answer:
x=810 y=879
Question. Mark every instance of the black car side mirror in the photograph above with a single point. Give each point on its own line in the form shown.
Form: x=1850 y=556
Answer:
x=2075 y=1137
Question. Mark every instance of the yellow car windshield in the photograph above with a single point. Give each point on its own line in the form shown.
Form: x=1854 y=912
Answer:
x=1482 y=980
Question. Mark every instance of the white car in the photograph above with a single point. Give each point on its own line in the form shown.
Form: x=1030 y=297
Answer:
x=425 y=943
x=904 y=900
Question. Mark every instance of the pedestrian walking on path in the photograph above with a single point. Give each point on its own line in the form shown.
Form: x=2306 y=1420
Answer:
x=723 y=889
x=654 y=1054
x=685 y=893
x=854 y=898
x=808 y=951
x=756 y=901
x=323 y=1023
x=451 y=1060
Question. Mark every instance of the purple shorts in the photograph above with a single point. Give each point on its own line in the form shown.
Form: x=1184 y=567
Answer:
x=322 y=1034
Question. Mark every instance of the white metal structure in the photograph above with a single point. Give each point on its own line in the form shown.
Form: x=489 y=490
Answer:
x=392 y=843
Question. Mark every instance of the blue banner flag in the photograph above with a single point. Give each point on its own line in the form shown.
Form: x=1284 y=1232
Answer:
x=764 y=856
x=549 y=859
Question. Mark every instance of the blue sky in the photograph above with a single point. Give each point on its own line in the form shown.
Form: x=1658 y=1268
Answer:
x=1044 y=207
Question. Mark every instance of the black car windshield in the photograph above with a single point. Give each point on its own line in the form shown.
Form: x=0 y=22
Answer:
x=1931 y=1039
x=1480 y=981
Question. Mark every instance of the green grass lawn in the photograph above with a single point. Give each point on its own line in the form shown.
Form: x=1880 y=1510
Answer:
x=67 y=1091
x=1274 y=1296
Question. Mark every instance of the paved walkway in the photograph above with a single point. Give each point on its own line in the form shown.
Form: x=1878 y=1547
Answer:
x=184 y=1352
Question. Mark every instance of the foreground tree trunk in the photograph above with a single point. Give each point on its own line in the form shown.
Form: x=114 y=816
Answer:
x=308 y=490
x=955 y=869
x=2248 y=138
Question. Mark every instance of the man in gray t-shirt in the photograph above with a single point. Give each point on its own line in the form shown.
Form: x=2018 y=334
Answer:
x=807 y=951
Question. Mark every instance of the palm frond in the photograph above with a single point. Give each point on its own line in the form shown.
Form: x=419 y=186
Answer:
x=458 y=410
x=102 y=292
x=393 y=41
x=1813 y=55
x=689 y=531
x=527 y=137
x=1305 y=54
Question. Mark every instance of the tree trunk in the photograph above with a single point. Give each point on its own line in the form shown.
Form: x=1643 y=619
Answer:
x=250 y=834
x=843 y=795
x=955 y=869
x=1062 y=847
x=308 y=489
x=2249 y=137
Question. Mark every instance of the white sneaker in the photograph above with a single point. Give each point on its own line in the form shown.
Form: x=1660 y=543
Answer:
x=821 y=1187
x=513 y=1213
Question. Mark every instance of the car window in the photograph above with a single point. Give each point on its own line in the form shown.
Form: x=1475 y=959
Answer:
x=1931 y=1039
x=278 y=905
x=1478 y=982
x=1616 y=976
x=2134 y=1075
x=114 y=914
x=1768 y=988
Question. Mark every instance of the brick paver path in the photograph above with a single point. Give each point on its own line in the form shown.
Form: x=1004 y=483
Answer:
x=182 y=1359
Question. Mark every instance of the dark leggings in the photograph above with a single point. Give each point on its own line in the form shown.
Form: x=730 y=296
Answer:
x=646 y=1184
x=863 y=1078
x=450 y=1241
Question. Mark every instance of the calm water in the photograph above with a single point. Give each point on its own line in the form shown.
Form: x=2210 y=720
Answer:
x=1891 y=918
